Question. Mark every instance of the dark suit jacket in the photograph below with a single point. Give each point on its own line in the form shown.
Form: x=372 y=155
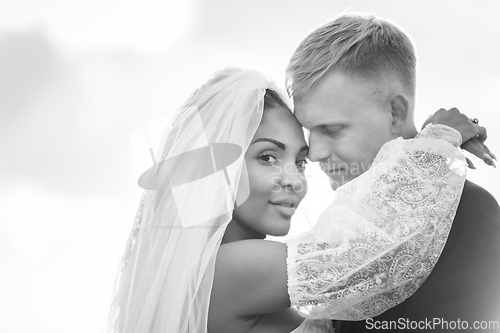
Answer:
x=465 y=283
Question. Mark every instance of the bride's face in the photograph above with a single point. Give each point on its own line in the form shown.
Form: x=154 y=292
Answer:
x=275 y=162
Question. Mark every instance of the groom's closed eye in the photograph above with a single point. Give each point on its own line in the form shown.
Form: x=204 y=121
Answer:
x=333 y=128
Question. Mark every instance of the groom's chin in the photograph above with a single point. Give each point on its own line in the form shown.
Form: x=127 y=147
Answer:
x=336 y=182
x=338 y=177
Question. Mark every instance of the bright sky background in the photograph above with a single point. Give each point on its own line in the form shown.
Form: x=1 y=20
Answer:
x=78 y=78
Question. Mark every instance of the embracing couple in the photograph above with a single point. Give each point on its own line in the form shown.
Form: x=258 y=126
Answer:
x=407 y=240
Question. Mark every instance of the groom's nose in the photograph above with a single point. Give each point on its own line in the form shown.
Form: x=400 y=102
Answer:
x=319 y=148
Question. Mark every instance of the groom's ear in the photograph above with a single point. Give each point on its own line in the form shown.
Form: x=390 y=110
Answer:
x=400 y=108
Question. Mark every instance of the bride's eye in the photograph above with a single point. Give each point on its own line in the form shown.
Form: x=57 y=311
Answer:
x=268 y=158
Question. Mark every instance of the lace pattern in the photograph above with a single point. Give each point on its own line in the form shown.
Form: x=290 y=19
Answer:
x=378 y=241
x=315 y=326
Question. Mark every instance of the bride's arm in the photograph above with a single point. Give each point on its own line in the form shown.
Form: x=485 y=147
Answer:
x=250 y=288
x=377 y=242
x=251 y=279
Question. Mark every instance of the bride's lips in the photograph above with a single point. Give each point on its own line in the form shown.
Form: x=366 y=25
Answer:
x=286 y=206
x=288 y=211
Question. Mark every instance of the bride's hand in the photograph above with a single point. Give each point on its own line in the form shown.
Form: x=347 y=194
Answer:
x=473 y=135
x=477 y=147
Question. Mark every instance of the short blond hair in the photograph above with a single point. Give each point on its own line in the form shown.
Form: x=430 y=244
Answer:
x=356 y=44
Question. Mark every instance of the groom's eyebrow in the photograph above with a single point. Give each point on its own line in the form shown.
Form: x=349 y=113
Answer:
x=279 y=144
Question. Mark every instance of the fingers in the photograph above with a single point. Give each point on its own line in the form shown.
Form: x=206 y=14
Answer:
x=487 y=158
x=473 y=149
x=473 y=135
x=470 y=165
x=477 y=148
x=489 y=151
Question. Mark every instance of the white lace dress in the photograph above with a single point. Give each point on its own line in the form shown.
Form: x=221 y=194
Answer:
x=377 y=242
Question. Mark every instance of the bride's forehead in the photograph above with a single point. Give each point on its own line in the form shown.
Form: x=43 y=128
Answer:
x=278 y=118
x=277 y=114
x=280 y=124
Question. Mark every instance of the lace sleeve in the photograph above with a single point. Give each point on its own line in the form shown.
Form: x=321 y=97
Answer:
x=315 y=326
x=443 y=132
x=378 y=241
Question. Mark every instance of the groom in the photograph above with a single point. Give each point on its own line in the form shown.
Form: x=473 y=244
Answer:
x=347 y=78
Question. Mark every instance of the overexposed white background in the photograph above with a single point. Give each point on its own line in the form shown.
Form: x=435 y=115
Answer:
x=78 y=78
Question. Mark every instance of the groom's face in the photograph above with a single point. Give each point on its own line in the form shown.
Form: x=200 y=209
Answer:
x=349 y=119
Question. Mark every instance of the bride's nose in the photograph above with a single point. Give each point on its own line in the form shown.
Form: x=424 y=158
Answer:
x=292 y=179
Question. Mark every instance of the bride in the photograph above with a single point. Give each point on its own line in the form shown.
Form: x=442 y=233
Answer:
x=231 y=171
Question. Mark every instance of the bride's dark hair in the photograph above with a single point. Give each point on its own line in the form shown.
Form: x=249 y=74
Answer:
x=273 y=99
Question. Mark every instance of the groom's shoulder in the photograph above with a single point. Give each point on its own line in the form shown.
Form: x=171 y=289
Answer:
x=476 y=222
x=472 y=189
x=464 y=283
x=477 y=203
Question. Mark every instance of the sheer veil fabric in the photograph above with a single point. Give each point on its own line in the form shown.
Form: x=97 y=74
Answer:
x=166 y=273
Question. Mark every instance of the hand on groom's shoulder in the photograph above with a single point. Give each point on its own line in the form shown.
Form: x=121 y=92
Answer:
x=465 y=283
